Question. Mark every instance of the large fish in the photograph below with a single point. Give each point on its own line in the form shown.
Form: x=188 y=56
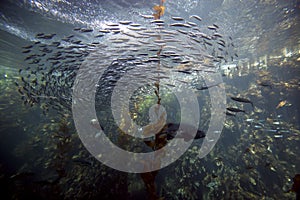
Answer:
x=183 y=131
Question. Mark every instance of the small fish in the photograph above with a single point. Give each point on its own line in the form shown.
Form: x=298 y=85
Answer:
x=30 y=57
x=86 y=30
x=27 y=47
x=177 y=18
x=99 y=35
x=76 y=42
x=135 y=25
x=182 y=31
x=136 y=28
x=196 y=17
x=104 y=31
x=218 y=35
x=192 y=23
x=229 y=114
x=278 y=136
x=235 y=110
x=158 y=21
x=215 y=25
x=284 y=131
x=184 y=71
x=20 y=91
x=26 y=51
x=184 y=61
x=207 y=87
x=147 y=16
x=125 y=22
x=39 y=34
x=112 y=24
x=118 y=41
x=70 y=36
x=212 y=28
x=221 y=43
x=171 y=85
x=181 y=25
x=48 y=36
x=243 y=100
x=281 y=104
x=56 y=44
x=206 y=36
x=221 y=57
x=169 y=32
x=208 y=43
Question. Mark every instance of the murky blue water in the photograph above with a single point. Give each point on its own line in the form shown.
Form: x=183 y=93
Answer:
x=257 y=154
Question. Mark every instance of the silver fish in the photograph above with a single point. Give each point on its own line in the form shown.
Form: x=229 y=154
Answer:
x=125 y=22
x=112 y=24
x=147 y=16
x=196 y=17
x=177 y=18
x=181 y=25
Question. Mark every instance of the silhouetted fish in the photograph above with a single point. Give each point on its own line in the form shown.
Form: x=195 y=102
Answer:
x=27 y=47
x=86 y=30
x=207 y=87
x=229 y=114
x=243 y=100
x=172 y=130
x=177 y=18
x=235 y=110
